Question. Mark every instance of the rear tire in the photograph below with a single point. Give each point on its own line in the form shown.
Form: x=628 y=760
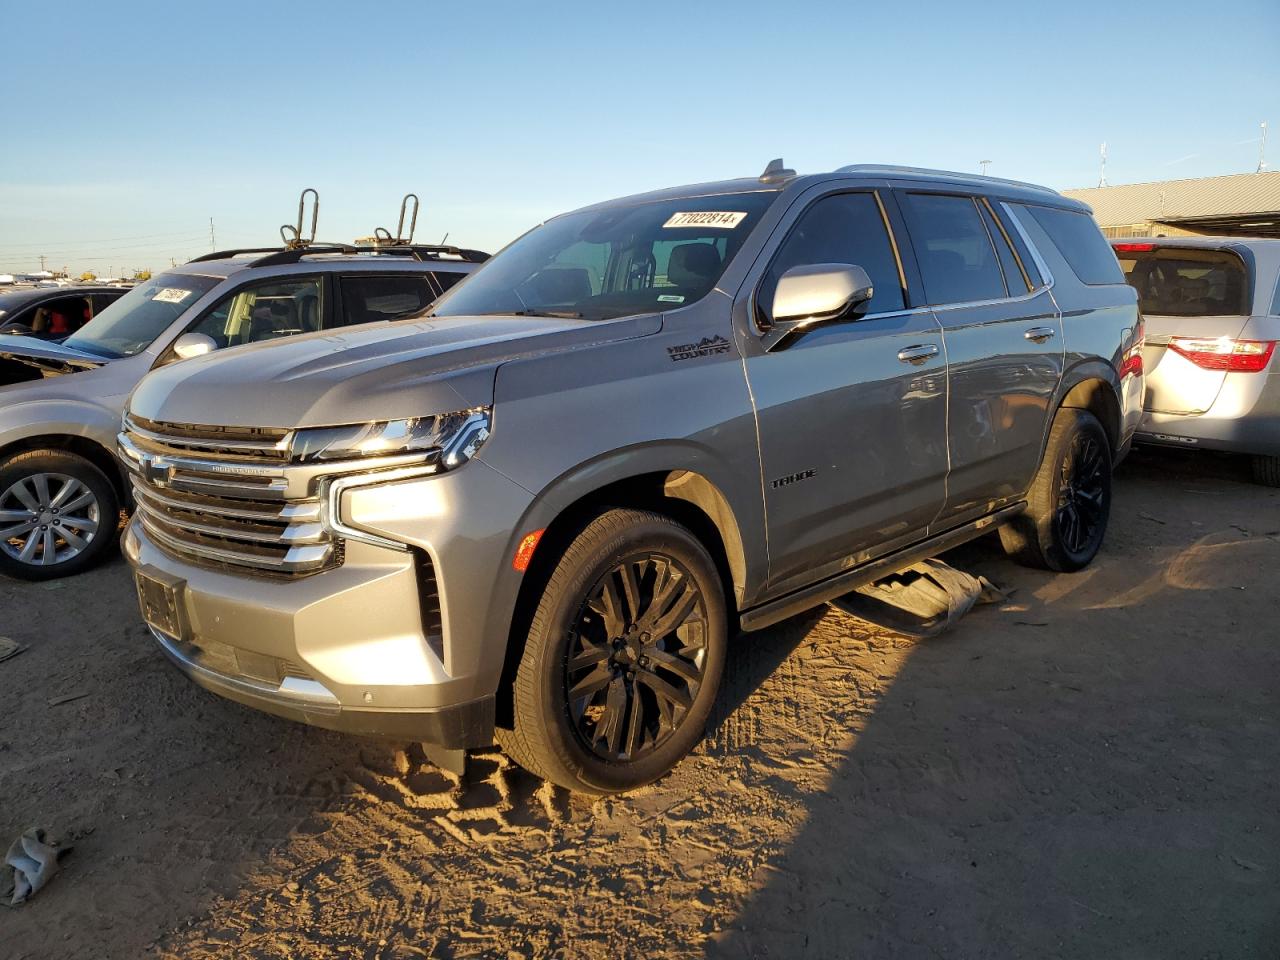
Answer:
x=1069 y=501
x=1266 y=470
x=59 y=514
x=623 y=659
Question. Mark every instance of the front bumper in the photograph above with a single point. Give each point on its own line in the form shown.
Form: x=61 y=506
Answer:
x=350 y=648
x=306 y=701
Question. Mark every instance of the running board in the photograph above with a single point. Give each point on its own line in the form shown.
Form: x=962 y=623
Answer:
x=775 y=611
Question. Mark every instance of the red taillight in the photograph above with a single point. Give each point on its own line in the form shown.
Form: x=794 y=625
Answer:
x=1132 y=365
x=1134 y=247
x=1223 y=353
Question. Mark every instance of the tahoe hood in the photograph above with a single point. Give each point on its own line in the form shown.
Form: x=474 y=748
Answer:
x=373 y=372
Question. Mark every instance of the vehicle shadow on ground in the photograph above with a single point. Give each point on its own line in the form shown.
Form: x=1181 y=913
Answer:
x=1086 y=772
x=1089 y=770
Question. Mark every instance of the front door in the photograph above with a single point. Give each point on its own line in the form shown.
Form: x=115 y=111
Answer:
x=851 y=414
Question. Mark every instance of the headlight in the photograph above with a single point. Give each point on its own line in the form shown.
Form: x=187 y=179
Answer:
x=449 y=439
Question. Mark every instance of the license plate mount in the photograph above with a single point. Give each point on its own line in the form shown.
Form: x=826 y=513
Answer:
x=160 y=598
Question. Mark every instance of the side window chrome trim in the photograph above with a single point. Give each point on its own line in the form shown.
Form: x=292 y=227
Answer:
x=1029 y=295
x=1043 y=267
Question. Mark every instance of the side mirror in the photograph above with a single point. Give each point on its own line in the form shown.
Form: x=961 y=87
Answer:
x=193 y=345
x=813 y=294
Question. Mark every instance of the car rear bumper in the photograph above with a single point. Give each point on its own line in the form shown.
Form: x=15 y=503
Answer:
x=1245 y=418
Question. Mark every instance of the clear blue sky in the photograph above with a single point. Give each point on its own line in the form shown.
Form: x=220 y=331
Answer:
x=127 y=126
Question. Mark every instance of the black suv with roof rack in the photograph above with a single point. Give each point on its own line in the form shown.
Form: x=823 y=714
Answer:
x=61 y=489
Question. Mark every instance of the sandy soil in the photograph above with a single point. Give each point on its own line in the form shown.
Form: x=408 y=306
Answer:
x=1088 y=771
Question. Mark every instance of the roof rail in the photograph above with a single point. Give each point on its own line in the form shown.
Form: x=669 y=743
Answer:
x=275 y=256
x=900 y=171
x=228 y=254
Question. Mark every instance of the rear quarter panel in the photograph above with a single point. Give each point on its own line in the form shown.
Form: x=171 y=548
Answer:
x=1101 y=328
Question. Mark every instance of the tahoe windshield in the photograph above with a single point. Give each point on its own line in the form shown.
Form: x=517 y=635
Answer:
x=613 y=262
x=132 y=323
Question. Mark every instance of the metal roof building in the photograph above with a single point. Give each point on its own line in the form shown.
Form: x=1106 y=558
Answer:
x=1245 y=204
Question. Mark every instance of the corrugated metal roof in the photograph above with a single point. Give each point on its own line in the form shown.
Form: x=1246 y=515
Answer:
x=1174 y=200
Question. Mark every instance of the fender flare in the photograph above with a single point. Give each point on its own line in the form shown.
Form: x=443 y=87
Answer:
x=690 y=473
x=1076 y=390
x=27 y=423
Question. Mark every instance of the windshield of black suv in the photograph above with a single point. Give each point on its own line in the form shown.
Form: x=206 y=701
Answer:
x=132 y=323
x=613 y=262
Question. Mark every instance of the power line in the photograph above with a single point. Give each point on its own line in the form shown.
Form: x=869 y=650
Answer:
x=30 y=252
x=143 y=236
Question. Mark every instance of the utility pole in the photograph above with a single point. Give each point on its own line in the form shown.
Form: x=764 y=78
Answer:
x=984 y=164
x=1102 y=180
x=1262 y=150
x=213 y=243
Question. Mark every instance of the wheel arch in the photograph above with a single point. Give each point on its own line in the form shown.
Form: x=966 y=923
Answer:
x=685 y=495
x=84 y=447
x=1095 y=387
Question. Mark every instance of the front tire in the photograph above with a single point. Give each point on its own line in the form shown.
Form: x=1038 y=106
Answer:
x=1069 y=502
x=623 y=659
x=1266 y=470
x=58 y=514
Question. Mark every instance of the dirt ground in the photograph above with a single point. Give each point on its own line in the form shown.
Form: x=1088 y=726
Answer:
x=1090 y=770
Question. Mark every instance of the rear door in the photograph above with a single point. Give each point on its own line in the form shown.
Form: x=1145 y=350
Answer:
x=1004 y=347
x=1195 y=302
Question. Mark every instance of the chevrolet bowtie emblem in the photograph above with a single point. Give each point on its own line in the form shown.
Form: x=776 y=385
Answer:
x=158 y=471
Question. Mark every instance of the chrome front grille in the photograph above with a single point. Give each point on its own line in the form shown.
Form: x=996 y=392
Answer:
x=267 y=444
x=225 y=497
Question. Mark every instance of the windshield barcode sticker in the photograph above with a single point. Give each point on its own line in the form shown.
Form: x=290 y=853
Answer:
x=706 y=218
x=172 y=295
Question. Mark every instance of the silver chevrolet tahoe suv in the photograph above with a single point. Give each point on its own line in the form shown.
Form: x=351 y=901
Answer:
x=61 y=489
x=539 y=512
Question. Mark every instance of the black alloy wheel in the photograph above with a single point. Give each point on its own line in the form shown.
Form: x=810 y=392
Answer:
x=637 y=657
x=1081 y=514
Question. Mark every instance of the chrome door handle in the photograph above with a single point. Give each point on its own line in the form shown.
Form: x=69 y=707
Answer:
x=1040 y=334
x=918 y=354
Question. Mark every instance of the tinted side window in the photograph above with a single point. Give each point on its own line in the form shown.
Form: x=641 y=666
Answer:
x=1014 y=279
x=845 y=228
x=957 y=261
x=1019 y=244
x=445 y=280
x=1081 y=244
x=366 y=299
x=103 y=300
